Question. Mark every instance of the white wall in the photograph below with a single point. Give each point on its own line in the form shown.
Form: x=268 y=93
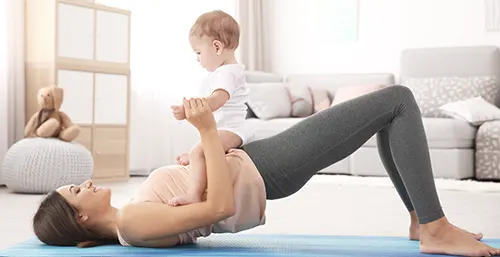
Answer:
x=164 y=69
x=297 y=43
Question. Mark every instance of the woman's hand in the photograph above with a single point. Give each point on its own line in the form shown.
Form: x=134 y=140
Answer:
x=199 y=114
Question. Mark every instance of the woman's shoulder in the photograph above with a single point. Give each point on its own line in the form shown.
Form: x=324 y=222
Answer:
x=120 y=238
x=163 y=242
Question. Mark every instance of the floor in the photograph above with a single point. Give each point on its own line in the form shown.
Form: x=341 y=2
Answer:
x=319 y=208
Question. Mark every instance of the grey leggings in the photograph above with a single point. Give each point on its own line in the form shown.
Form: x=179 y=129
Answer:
x=289 y=159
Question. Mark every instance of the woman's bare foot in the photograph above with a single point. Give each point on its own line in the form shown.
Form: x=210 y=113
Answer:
x=414 y=226
x=415 y=233
x=441 y=237
x=183 y=159
x=415 y=229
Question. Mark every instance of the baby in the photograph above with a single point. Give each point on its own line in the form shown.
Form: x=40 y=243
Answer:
x=214 y=37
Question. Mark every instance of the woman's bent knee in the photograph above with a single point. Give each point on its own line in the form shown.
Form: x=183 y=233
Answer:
x=402 y=91
x=405 y=96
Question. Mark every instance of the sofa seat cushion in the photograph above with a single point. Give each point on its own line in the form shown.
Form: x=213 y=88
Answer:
x=444 y=133
x=266 y=128
x=441 y=132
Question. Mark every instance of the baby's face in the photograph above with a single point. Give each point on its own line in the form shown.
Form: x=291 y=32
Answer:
x=207 y=53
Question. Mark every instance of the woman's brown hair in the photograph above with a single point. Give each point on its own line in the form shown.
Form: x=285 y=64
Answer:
x=56 y=223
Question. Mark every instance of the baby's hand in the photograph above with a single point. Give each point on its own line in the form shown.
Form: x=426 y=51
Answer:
x=178 y=111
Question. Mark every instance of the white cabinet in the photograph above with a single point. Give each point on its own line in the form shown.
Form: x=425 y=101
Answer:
x=78 y=95
x=94 y=98
x=75 y=31
x=112 y=37
x=86 y=33
x=83 y=47
x=111 y=99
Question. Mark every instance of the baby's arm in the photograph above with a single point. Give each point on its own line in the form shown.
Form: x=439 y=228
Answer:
x=217 y=99
x=222 y=86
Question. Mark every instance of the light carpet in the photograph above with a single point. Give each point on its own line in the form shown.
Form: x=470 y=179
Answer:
x=445 y=184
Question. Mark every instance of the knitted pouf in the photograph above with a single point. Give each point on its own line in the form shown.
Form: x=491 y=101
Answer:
x=38 y=165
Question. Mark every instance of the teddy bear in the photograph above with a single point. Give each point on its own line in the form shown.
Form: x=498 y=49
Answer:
x=49 y=121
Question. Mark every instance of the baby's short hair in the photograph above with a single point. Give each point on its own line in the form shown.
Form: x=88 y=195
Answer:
x=218 y=25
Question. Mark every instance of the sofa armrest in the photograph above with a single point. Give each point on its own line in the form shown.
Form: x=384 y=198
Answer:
x=488 y=151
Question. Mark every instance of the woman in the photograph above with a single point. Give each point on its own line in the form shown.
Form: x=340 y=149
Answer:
x=271 y=168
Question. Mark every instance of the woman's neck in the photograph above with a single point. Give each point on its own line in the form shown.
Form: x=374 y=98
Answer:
x=106 y=227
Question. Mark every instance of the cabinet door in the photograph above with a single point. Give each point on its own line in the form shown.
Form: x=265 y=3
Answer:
x=75 y=31
x=78 y=95
x=110 y=152
x=111 y=99
x=112 y=37
x=85 y=137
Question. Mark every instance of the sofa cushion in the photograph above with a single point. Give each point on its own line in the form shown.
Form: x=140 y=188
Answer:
x=267 y=128
x=269 y=100
x=433 y=92
x=301 y=100
x=332 y=82
x=441 y=132
x=350 y=92
x=475 y=111
x=262 y=77
x=463 y=62
x=445 y=133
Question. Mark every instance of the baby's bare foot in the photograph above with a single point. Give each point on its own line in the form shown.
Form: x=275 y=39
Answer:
x=451 y=240
x=183 y=200
x=183 y=159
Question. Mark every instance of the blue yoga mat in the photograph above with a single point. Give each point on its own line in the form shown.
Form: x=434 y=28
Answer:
x=244 y=245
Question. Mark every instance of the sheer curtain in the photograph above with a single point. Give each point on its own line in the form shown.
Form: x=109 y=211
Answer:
x=250 y=15
x=163 y=70
x=11 y=73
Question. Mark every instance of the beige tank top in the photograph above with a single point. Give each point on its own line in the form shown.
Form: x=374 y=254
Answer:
x=249 y=192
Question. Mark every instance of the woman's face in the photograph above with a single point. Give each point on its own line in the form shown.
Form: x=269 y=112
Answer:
x=90 y=201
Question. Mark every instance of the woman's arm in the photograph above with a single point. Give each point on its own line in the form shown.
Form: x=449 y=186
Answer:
x=140 y=222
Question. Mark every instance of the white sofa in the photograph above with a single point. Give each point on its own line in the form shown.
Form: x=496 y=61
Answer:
x=453 y=148
x=455 y=152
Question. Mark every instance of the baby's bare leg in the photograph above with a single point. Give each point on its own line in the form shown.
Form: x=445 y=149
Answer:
x=198 y=170
x=229 y=140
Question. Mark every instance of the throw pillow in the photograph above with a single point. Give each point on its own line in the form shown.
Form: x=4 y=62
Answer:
x=432 y=93
x=301 y=101
x=349 y=92
x=475 y=111
x=250 y=113
x=269 y=100
x=320 y=98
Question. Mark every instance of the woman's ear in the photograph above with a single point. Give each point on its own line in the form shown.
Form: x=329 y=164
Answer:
x=82 y=218
x=218 y=46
